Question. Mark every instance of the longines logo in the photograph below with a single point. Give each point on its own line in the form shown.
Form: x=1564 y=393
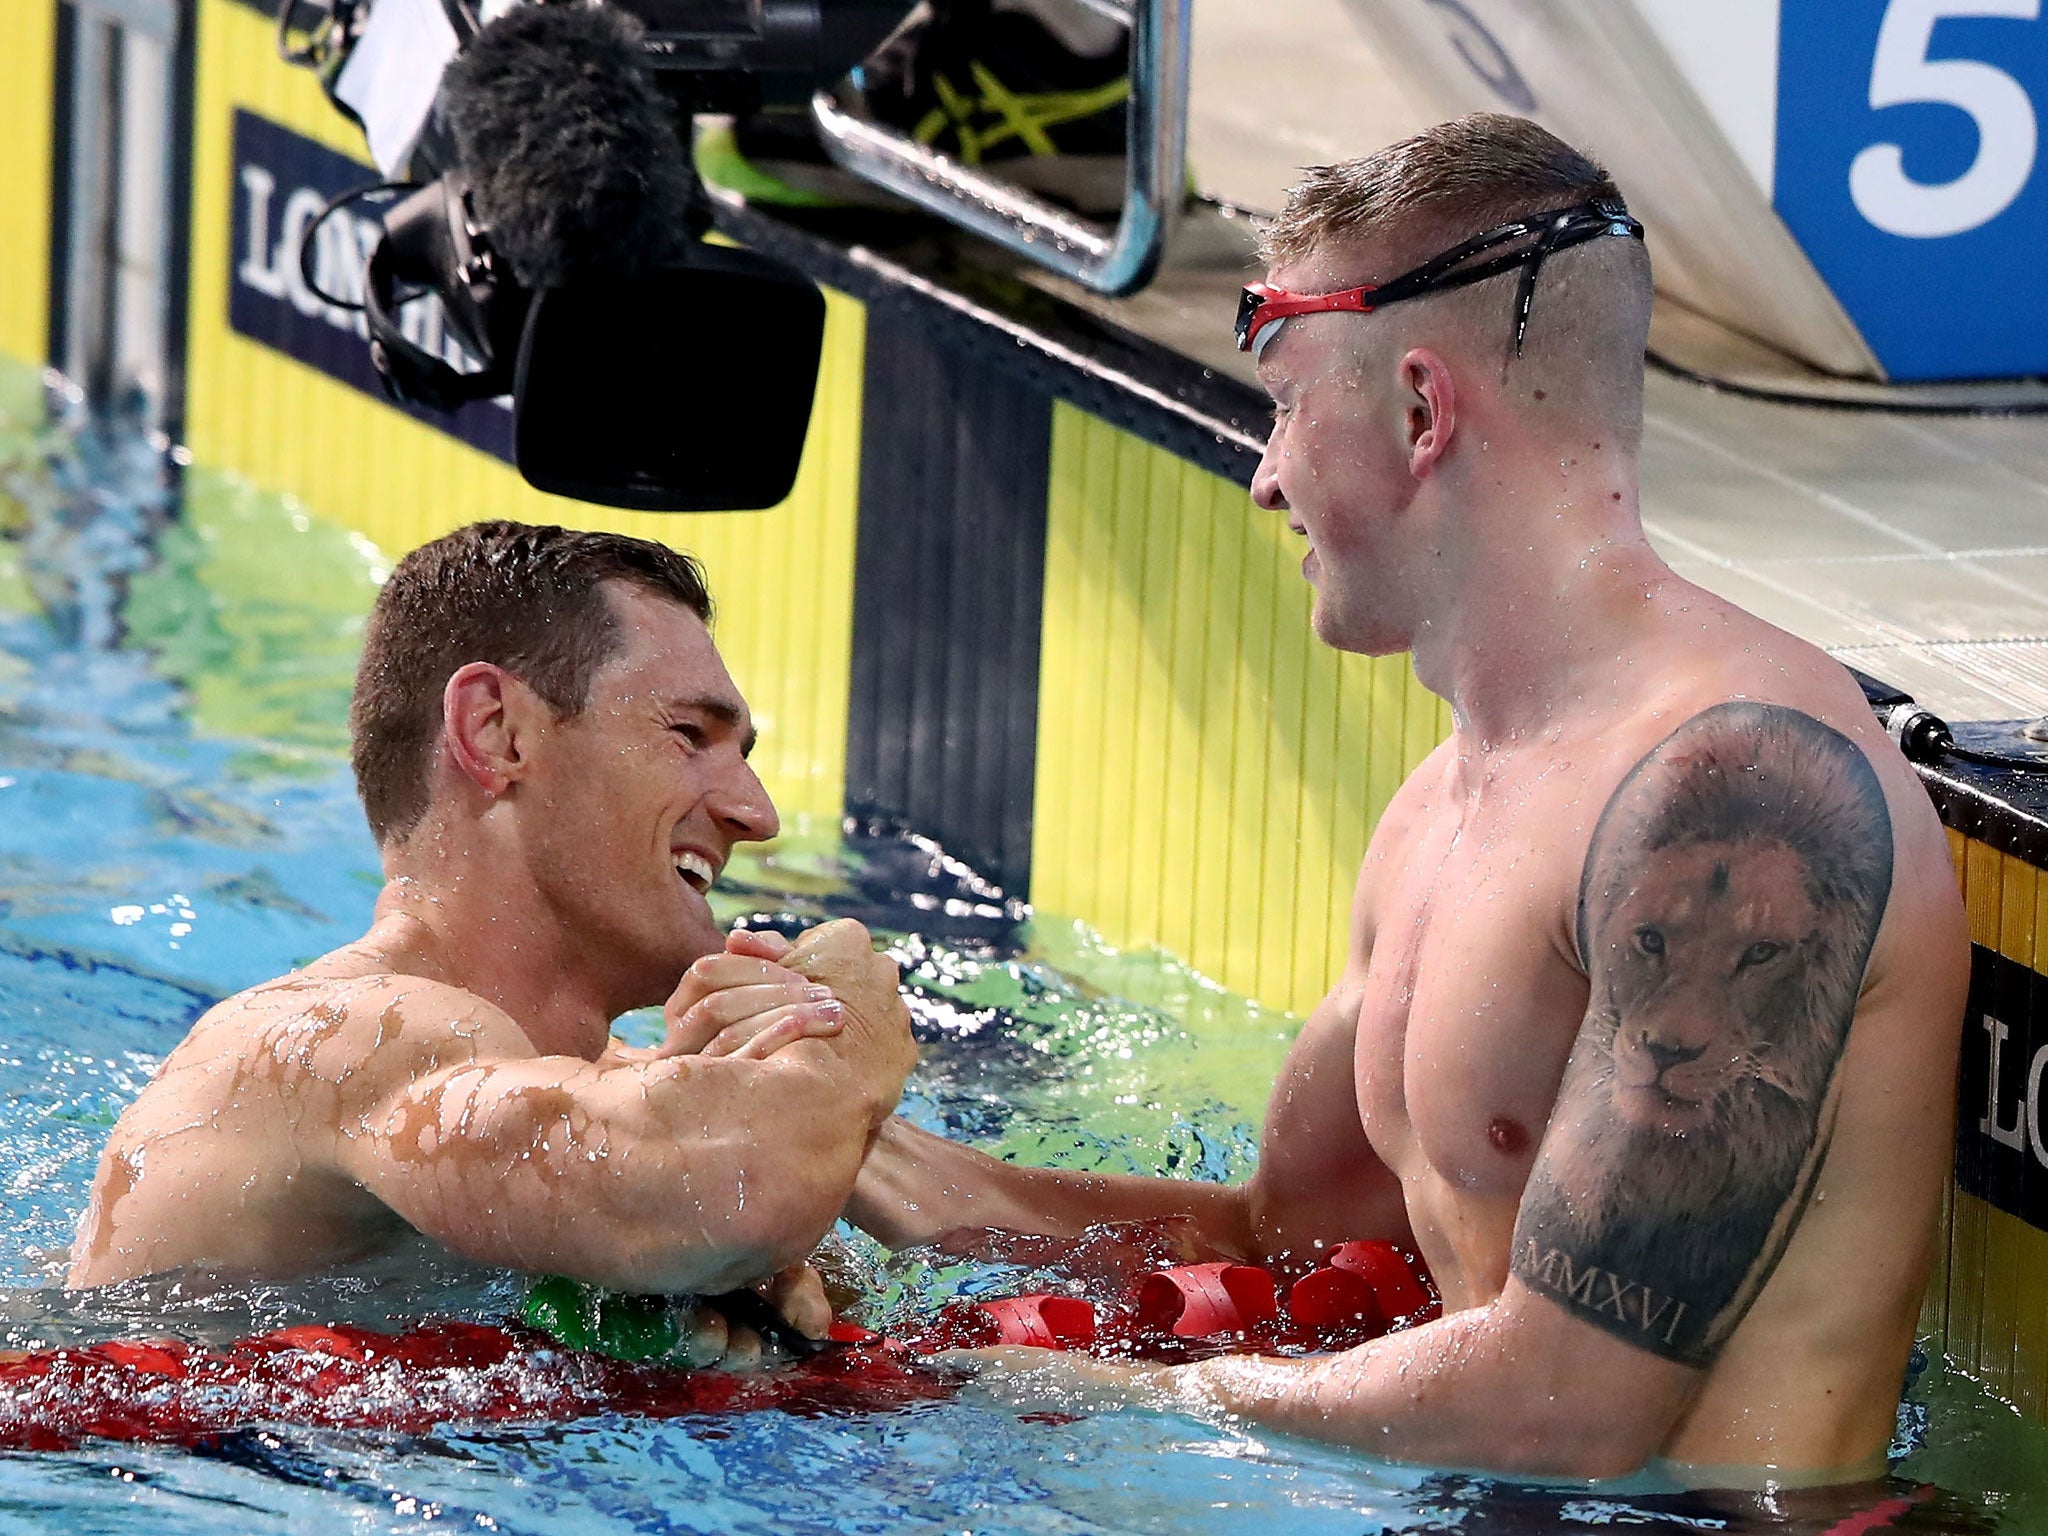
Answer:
x=2001 y=1138
x=281 y=182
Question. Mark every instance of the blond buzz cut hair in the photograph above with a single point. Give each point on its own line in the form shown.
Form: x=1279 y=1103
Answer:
x=1413 y=200
x=1445 y=184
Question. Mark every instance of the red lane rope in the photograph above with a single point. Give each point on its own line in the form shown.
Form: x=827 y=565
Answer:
x=1363 y=1290
x=448 y=1372
x=469 y=1373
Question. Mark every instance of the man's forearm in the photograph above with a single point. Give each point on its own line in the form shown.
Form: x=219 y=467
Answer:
x=687 y=1174
x=1470 y=1390
x=915 y=1188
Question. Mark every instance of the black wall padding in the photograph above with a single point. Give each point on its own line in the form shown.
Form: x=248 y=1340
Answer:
x=949 y=584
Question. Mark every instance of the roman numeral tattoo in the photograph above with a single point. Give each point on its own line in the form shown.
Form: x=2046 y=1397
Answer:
x=1604 y=1292
x=1727 y=910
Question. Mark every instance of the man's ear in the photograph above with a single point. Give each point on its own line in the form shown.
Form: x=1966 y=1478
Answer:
x=1430 y=397
x=487 y=716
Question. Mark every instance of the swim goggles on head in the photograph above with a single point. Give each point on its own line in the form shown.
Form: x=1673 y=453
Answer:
x=1262 y=306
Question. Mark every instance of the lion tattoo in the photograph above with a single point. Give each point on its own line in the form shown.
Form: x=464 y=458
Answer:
x=1730 y=900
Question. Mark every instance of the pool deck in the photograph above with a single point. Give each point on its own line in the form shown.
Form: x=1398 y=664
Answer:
x=1914 y=548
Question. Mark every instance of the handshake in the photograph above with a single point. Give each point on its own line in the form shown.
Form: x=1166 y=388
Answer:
x=764 y=993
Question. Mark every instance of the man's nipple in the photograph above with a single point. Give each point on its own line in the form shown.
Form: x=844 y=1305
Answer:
x=1509 y=1136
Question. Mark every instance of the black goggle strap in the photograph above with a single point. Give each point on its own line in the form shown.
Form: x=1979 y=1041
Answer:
x=1556 y=231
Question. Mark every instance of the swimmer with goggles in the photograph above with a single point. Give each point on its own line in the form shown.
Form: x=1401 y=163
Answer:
x=1262 y=306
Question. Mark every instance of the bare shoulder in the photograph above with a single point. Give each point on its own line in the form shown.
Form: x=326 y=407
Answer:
x=1800 y=751
x=1728 y=910
x=1760 y=664
x=1746 y=772
x=1755 y=661
x=1412 y=803
x=352 y=1034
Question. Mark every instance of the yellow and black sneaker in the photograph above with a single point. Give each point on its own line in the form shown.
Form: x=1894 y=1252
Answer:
x=1032 y=91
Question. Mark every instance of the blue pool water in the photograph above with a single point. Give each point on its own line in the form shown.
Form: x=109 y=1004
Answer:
x=177 y=822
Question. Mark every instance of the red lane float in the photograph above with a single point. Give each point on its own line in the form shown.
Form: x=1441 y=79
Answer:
x=1050 y=1322
x=1374 y=1286
x=1366 y=1289
x=1400 y=1285
x=1335 y=1298
x=1200 y=1301
x=445 y=1373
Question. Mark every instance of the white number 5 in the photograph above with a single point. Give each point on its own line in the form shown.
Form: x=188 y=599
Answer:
x=1998 y=104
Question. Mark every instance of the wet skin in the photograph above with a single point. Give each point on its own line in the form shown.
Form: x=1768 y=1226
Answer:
x=452 y=1071
x=1705 y=1244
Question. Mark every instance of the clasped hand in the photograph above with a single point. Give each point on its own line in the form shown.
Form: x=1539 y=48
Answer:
x=762 y=993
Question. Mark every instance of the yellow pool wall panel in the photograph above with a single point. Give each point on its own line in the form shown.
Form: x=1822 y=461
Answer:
x=1208 y=772
x=28 y=70
x=1988 y=1304
x=782 y=578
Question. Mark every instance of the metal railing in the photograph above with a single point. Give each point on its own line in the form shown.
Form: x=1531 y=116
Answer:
x=119 y=287
x=1109 y=261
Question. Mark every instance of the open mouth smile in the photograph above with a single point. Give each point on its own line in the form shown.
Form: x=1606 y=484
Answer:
x=694 y=870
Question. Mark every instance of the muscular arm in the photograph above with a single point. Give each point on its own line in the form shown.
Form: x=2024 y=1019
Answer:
x=1318 y=1178
x=687 y=1173
x=1728 y=907
x=919 y=1188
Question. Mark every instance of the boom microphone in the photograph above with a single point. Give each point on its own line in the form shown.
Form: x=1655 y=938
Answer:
x=563 y=235
x=571 y=155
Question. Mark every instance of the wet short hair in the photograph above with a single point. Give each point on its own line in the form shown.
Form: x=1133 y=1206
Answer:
x=530 y=599
x=1444 y=185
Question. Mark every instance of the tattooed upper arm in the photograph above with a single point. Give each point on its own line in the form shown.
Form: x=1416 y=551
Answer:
x=1727 y=910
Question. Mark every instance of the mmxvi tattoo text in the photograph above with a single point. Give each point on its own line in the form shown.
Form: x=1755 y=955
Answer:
x=1602 y=1291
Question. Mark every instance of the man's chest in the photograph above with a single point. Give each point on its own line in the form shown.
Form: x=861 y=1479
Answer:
x=1472 y=997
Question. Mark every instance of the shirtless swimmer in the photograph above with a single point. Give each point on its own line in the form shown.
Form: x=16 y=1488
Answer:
x=1648 y=1034
x=554 y=762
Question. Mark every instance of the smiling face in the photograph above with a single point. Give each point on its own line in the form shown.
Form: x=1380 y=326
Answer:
x=1336 y=462
x=637 y=801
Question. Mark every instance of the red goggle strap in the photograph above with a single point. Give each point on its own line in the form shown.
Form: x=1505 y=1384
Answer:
x=1263 y=305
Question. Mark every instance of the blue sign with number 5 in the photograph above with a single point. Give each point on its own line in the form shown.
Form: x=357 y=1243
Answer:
x=1910 y=166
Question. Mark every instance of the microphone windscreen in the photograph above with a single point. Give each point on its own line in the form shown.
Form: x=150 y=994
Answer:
x=571 y=153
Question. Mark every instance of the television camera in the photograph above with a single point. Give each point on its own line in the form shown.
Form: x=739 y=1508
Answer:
x=540 y=187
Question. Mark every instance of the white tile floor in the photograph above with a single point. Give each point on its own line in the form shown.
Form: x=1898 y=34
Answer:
x=1914 y=548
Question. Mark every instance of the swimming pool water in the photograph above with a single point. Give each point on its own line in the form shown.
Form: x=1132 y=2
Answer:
x=177 y=822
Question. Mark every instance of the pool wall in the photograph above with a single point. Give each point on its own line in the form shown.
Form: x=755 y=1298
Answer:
x=27 y=119
x=1988 y=1300
x=1017 y=601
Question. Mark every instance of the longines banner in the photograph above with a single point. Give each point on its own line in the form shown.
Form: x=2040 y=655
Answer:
x=2001 y=1121
x=282 y=181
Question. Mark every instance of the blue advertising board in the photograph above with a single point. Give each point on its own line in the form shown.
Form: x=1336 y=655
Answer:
x=281 y=182
x=1909 y=167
